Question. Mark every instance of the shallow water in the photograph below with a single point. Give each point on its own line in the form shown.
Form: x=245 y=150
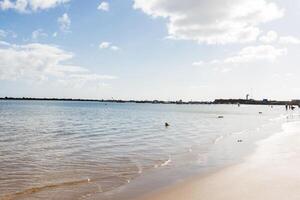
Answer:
x=85 y=148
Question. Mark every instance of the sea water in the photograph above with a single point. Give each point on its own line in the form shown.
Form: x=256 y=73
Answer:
x=78 y=150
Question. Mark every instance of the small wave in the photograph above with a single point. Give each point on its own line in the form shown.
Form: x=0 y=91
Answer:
x=218 y=139
x=291 y=126
x=165 y=163
x=140 y=168
x=137 y=165
x=43 y=188
x=239 y=132
x=281 y=117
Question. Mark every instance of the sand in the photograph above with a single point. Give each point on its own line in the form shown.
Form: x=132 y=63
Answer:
x=272 y=172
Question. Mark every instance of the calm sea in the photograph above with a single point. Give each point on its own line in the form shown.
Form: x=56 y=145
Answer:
x=81 y=149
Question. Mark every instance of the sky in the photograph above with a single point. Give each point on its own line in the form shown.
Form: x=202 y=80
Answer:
x=150 y=49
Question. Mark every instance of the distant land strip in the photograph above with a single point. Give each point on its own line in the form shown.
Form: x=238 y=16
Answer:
x=216 y=101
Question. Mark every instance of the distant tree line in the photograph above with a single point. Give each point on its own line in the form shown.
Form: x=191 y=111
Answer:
x=217 y=101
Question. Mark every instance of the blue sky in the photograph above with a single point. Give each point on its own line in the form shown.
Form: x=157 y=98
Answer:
x=149 y=49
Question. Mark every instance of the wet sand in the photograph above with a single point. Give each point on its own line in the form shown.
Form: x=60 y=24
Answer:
x=271 y=172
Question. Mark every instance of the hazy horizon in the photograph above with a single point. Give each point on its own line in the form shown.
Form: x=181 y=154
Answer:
x=138 y=100
x=139 y=49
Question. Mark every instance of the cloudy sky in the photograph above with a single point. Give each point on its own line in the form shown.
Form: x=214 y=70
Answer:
x=150 y=49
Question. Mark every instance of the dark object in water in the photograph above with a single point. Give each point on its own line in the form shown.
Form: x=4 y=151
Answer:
x=240 y=141
x=220 y=117
x=166 y=124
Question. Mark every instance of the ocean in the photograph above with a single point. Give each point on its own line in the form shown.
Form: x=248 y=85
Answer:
x=87 y=150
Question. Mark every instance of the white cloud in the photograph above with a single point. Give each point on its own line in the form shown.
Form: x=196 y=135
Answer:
x=38 y=34
x=3 y=33
x=7 y=33
x=256 y=53
x=212 y=21
x=289 y=40
x=104 y=6
x=64 y=22
x=30 y=5
x=42 y=62
x=198 y=63
x=115 y=48
x=252 y=54
x=91 y=77
x=270 y=37
x=108 y=45
x=104 y=45
x=3 y=43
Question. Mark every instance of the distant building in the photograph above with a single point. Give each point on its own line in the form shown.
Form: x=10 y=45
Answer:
x=296 y=101
x=179 y=102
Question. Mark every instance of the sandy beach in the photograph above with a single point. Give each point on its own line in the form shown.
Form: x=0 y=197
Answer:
x=271 y=172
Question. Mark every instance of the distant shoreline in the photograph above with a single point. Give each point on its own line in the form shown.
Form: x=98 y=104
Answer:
x=216 y=101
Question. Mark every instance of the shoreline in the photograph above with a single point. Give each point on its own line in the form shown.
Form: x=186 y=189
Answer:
x=154 y=183
x=238 y=102
x=271 y=172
